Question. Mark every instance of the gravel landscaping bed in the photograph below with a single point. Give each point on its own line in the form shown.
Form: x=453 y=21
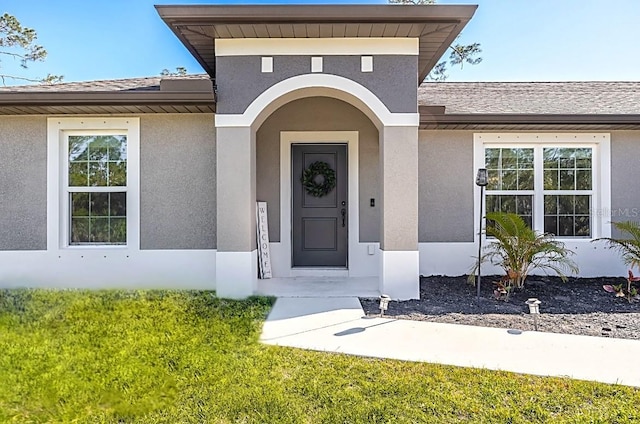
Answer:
x=579 y=306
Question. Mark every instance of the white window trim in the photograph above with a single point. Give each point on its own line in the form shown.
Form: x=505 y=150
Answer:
x=57 y=205
x=601 y=168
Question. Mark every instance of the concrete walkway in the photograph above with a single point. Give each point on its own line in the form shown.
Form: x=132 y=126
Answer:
x=339 y=325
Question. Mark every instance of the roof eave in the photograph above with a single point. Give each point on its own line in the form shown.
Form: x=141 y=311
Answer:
x=434 y=121
x=195 y=14
x=176 y=16
x=75 y=98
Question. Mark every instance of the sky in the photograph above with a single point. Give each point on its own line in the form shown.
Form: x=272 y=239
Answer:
x=522 y=40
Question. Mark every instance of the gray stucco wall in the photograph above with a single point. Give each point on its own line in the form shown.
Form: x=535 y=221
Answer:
x=445 y=199
x=177 y=182
x=318 y=114
x=393 y=80
x=399 y=188
x=23 y=183
x=625 y=177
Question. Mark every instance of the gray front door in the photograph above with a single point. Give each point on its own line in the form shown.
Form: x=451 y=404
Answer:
x=319 y=223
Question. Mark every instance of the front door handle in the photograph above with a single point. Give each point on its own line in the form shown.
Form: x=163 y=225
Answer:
x=343 y=212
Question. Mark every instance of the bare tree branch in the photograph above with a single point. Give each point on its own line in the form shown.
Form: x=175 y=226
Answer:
x=19 y=43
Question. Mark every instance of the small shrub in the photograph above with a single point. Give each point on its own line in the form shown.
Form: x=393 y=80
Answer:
x=518 y=250
x=630 y=292
x=629 y=250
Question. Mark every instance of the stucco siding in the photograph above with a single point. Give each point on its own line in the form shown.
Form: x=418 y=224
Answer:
x=625 y=174
x=23 y=183
x=393 y=80
x=445 y=189
x=177 y=182
x=318 y=114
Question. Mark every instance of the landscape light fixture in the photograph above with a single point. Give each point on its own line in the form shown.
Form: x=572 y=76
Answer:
x=384 y=303
x=534 y=309
x=481 y=181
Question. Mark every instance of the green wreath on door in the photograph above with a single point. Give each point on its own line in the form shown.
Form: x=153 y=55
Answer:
x=310 y=176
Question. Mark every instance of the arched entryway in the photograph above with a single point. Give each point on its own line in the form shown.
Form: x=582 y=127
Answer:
x=395 y=259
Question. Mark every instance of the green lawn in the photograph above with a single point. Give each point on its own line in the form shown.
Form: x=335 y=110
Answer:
x=174 y=357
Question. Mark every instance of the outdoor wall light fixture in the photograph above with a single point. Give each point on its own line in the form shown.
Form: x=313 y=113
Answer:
x=534 y=309
x=481 y=181
x=384 y=303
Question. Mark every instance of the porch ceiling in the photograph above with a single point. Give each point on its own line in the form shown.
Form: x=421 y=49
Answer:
x=436 y=26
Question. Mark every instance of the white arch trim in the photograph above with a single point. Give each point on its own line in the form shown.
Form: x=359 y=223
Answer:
x=317 y=85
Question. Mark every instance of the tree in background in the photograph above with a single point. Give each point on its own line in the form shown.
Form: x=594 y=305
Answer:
x=19 y=43
x=179 y=72
x=459 y=54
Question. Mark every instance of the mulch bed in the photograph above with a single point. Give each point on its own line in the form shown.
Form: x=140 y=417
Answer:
x=579 y=306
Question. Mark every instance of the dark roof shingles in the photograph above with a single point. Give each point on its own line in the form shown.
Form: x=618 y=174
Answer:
x=126 y=85
x=571 y=98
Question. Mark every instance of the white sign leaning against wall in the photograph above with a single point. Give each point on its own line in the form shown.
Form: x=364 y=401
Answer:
x=264 y=255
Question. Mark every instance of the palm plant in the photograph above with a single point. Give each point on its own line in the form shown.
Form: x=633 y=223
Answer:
x=518 y=250
x=629 y=249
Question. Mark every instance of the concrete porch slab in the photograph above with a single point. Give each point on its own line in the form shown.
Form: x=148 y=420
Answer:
x=320 y=287
x=338 y=325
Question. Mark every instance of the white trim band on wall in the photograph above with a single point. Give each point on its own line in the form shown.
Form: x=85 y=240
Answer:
x=317 y=46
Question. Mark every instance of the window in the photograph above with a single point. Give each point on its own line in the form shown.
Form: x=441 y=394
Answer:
x=551 y=181
x=93 y=183
x=97 y=182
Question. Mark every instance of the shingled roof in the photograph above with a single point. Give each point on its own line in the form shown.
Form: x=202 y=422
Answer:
x=182 y=94
x=451 y=105
x=571 y=98
x=126 y=84
x=530 y=105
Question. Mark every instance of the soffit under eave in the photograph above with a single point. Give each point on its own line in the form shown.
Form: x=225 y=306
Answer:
x=103 y=109
x=197 y=27
x=430 y=121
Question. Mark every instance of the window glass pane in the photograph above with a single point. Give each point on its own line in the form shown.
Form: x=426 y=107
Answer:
x=518 y=204
x=79 y=148
x=582 y=205
x=525 y=180
x=551 y=158
x=99 y=230
x=97 y=174
x=118 y=230
x=118 y=204
x=79 y=230
x=525 y=158
x=492 y=158
x=98 y=218
x=509 y=180
x=103 y=159
x=583 y=226
x=509 y=169
x=565 y=226
x=493 y=179
x=567 y=180
x=78 y=174
x=509 y=159
x=80 y=204
x=117 y=174
x=565 y=205
x=572 y=166
x=583 y=179
x=567 y=215
x=551 y=179
x=551 y=224
x=551 y=205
